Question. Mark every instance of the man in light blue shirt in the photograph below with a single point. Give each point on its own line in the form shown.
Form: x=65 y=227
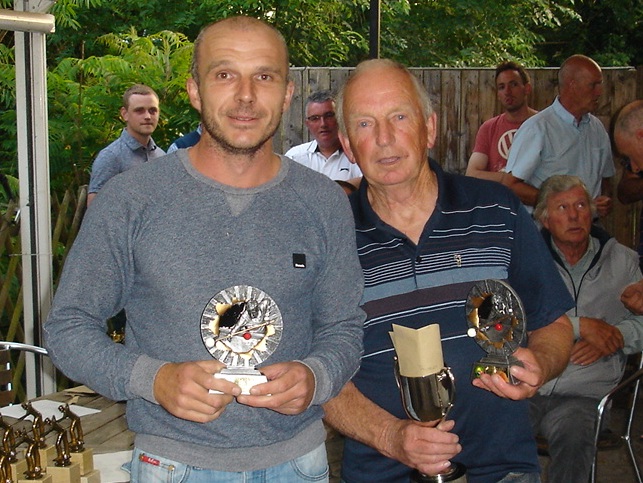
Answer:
x=565 y=139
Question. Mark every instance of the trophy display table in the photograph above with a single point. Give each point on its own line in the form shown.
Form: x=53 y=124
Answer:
x=99 y=433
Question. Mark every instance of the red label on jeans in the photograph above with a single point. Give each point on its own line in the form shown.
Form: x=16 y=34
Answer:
x=147 y=459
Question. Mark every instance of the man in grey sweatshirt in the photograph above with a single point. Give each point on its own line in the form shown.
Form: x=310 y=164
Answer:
x=224 y=254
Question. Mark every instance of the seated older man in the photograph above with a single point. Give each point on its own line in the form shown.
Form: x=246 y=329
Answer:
x=596 y=269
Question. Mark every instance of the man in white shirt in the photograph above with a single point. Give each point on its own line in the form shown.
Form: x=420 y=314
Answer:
x=324 y=153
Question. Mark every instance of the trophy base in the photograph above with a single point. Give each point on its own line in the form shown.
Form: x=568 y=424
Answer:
x=19 y=467
x=47 y=455
x=455 y=474
x=91 y=477
x=64 y=474
x=44 y=478
x=244 y=377
x=496 y=365
x=85 y=459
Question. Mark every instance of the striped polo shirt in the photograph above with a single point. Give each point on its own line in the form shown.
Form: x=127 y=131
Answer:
x=478 y=230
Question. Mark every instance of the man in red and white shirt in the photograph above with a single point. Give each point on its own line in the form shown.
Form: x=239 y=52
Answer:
x=495 y=136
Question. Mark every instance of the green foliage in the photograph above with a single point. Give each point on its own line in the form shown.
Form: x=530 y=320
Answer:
x=102 y=46
x=318 y=33
x=417 y=32
x=460 y=33
x=609 y=31
x=9 y=188
x=66 y=11
x=321 y=33
x=85 y=97
x=8 y=132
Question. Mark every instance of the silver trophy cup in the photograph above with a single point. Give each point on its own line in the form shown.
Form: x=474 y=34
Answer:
x=429 y=398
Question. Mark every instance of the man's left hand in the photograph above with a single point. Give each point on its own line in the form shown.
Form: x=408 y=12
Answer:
x=530 y=378
x=289 y=389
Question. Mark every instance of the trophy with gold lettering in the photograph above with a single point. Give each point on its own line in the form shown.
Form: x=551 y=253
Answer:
x=427 y=386
x=496 y=320
x=241 y=326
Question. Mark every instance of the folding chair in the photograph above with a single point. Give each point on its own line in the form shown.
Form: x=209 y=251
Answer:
x=7 y=392
x=633 y=381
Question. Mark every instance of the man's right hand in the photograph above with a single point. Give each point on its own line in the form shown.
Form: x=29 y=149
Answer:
x=183 y=390
x=603 y=205
x=421 y=445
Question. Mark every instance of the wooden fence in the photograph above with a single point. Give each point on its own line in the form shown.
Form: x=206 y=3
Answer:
x=66 y=218
x=463 y=98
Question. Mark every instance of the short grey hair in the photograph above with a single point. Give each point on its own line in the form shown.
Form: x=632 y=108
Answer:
x=629 y=118
x=559 y=183
x=420 y=91
x=320 y=96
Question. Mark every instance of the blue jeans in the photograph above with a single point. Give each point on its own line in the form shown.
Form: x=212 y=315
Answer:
x=149 y=468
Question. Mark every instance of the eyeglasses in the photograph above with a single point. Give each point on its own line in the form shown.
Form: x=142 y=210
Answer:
x=316 y=118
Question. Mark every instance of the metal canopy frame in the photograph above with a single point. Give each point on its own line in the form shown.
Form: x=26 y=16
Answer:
x=31 y=23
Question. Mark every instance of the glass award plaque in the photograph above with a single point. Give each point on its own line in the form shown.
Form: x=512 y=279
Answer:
x=241 y=326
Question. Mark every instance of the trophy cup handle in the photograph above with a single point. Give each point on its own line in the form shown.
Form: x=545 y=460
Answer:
x=427 y=398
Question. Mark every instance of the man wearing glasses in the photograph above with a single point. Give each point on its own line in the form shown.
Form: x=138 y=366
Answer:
x=324 y=154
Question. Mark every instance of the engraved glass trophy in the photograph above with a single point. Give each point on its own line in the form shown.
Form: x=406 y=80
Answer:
x=241 y=326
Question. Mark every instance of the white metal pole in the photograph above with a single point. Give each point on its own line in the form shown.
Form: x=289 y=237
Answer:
x=35 y=201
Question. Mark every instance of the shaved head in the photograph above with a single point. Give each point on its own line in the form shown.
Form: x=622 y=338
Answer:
x=239 y=25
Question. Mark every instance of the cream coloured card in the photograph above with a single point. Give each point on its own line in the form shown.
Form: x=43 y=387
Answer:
x=419 y=351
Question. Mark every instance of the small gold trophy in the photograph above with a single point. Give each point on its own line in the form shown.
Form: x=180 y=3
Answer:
x=6 y=474
x=79 y=454
x=241 y=326
x=34 y=471
x=64 y=470
x=9 y=449
x=47 y=452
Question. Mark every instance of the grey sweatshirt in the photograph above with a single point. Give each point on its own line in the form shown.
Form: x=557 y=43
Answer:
x=160 y=241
